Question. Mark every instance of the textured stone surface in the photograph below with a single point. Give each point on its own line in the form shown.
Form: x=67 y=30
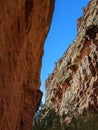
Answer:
x=72 y=88
x=24 y=25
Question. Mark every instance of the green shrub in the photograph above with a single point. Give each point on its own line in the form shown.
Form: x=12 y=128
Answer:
x=89 y=121
x=48 y=119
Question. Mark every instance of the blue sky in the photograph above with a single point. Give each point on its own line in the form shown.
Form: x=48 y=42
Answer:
x=62 y=33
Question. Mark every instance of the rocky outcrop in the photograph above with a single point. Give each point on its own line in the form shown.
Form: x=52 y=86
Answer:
x=72 y=88
x=24 y=25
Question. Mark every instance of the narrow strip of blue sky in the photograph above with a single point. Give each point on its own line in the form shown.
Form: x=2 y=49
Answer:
x=62 y=33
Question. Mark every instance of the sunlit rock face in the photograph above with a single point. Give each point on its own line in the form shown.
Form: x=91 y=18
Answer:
x=72 y=88
x=24 y=25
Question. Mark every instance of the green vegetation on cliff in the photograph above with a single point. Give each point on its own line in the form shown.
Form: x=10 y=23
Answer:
x=48 y=119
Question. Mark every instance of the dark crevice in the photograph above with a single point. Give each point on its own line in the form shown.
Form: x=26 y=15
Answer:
x=28 y=10
x=91 y=31
x=18 y=24
x=97 y=65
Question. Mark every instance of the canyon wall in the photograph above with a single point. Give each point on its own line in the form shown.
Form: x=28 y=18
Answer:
x=24 y=25
x=72 y=88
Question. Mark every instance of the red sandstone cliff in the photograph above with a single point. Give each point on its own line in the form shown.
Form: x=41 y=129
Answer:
x=73 y=86
x=24 y=25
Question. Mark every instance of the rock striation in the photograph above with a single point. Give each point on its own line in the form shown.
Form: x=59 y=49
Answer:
x=72 y=88
x=24 y=25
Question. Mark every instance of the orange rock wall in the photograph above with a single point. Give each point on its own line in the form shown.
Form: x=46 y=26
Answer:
x=24 y=25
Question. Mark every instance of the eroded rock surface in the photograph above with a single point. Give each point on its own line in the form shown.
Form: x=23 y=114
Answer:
x=72 y=88
x=24 y=25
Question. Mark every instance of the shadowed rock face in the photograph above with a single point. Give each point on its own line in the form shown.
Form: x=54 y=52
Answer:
x=24 y=25
x=72 y=88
